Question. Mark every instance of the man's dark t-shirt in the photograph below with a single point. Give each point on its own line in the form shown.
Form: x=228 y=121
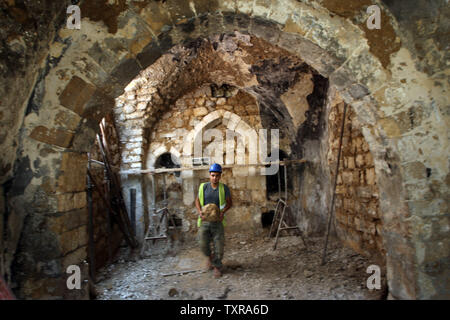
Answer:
x=211 y=195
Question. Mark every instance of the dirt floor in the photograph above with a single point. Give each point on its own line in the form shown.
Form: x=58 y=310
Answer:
x=252 y=271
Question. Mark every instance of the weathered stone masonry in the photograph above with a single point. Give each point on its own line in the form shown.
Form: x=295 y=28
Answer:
x=57 y=84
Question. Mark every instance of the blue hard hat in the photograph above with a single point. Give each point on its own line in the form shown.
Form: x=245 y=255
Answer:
x=215 y=167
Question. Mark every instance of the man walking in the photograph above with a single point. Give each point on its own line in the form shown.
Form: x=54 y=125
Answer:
x=218 y=193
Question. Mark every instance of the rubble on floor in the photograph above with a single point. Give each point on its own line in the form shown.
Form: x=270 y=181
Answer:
x=252 y=270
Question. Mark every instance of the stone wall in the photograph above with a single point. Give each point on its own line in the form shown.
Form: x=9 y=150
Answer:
x=25 y=32
x=357 y=211
x=395 y=79
x=169 y=136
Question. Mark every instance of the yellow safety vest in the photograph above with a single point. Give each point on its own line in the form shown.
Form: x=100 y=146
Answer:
x=222 y=200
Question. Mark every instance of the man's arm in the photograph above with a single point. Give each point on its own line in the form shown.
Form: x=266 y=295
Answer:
x=228 y=206
x=199 y=208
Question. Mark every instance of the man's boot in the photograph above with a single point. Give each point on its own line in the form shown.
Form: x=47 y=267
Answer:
x=209 y=265
x=217 y=273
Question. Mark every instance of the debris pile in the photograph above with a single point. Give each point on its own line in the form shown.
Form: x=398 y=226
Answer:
x=252 y=270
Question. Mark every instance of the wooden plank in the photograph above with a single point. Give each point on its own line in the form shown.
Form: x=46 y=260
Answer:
x=133 y=209
x=154 y=238
x=91 y=245
x=116 y=218
x=103 y=165
x=225 y=166
x=117 y=195
x=181 y=272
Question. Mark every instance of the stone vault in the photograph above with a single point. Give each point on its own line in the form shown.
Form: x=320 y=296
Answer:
x=59 y=83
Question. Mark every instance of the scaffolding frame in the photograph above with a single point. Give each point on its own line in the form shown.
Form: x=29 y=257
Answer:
x=278 y=219
x=279 y=225
x=199 y=168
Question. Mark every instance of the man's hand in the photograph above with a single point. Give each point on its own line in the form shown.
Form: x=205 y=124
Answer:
x=222 y=215
x=199 y=208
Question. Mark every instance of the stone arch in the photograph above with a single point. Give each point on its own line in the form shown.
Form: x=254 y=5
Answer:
x=232 y=122
x=157 y=152
x=87 y=80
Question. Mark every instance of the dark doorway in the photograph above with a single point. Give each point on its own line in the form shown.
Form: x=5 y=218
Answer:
x=267 y=218
x=272 y=185
x=165 y=161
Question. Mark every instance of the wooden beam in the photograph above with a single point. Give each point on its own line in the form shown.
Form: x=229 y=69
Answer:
x=225 y=166
x=102 y=164
x=182 y=272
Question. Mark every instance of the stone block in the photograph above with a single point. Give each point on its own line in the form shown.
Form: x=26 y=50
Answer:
x=103 y=56
x=75 y=257
x=156 y=15
x=341 y=216
x=340 y=189
x=69 y=241
x=349 y=204
x=71 y=201
x=126 y=71
x=242 y=22
x=415 y=170
x=149 y=54
x=68 y=220
x=252 y=109
x=258 y=196
x=221 y=101
x=83 y=237
x=350 y=162
x=431 y=207
x=370 y=176
x=367 y=70
x=256 y=183
x=57 y=137
x=347 y=177
x=356 y=176
x=200 y=101
x=180 y=10
x=265 y=29
x=72 y=176
x=129 y=108
x=85 y=136
x=372 y=210
x=354 y=239
x=390 y=127
x=67 y=120
x=360 y=161
x=339 y=179
x=201 y=111
x=368 y=158
x=76 y=94
x=140 y=43
x=364 y=192
x=358 y=224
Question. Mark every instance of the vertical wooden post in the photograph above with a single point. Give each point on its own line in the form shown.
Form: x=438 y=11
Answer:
x=90 y=223
x=285 y=182
x=133 y=209
x=164 y=190
x=330 y=216
x=279 y=183
x=107 y=187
